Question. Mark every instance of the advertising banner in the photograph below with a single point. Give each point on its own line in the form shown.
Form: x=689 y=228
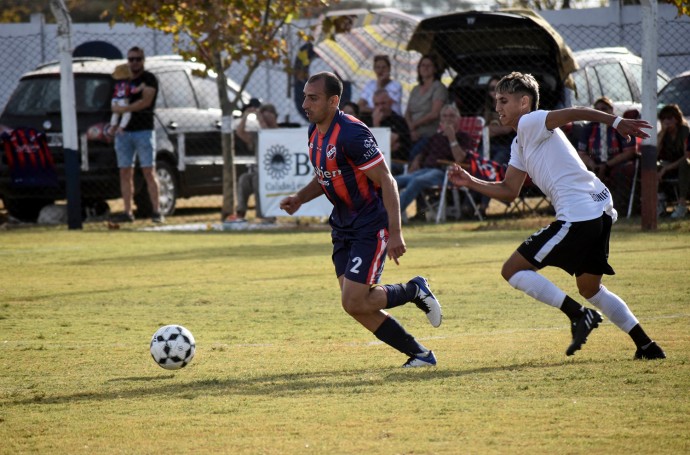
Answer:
x=284 y=168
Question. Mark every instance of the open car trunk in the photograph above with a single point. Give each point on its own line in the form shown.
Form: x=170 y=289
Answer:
x=476 y=45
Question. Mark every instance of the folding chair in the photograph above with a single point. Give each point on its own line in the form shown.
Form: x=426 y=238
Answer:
x=474 y=127
x=524 y=204
x=456 y=208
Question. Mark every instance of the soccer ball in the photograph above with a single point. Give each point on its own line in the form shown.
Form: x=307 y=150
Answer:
x=173 y=347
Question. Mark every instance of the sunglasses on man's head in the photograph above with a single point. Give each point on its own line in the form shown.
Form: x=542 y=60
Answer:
x=135 y=59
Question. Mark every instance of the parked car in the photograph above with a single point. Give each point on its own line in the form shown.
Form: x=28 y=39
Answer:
x=677 y=91
x=475 y=45
x=614 y=72
x=188 y=142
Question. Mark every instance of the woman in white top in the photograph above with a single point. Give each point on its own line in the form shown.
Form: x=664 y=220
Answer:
x=578 y=241
x=382 y=68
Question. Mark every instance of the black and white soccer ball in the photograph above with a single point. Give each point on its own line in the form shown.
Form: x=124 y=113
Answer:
x=173 y=347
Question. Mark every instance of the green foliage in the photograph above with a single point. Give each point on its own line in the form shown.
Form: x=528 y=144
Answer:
x=80 y=10
x=281 y=369
x=682 y=5
x=220 y=32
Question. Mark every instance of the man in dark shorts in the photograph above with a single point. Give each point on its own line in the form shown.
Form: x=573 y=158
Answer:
x=350 y=170
x=578 y=241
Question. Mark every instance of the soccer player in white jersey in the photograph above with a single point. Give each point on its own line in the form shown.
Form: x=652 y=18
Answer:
x=578 y=241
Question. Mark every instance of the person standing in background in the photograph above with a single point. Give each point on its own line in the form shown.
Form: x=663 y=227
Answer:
x=138 y=139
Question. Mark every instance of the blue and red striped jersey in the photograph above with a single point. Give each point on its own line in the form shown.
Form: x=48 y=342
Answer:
x=340 y=157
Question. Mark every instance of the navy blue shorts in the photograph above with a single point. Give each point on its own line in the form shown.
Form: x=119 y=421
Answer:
x=360 y=257
x=577 y=248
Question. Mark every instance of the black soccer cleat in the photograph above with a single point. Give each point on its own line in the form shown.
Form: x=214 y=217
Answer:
x=653 y=351
x=581 y=329
x=427 y=301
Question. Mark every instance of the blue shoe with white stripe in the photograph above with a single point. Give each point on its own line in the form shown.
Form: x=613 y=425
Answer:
x=581 y=329
x=419 y=360
x=427 y=301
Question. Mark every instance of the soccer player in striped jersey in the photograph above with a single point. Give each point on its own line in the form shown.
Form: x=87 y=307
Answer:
x=578 y=241
x=351 y=171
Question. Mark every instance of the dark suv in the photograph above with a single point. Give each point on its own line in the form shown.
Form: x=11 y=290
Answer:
x=189 y=159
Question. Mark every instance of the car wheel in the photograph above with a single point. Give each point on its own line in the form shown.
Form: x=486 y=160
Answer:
x=25 y=209
x=167 y=187
x=167 y=192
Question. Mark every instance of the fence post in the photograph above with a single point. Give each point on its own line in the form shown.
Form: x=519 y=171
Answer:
x=648 y=193
x=68 y=110
x=39 y=19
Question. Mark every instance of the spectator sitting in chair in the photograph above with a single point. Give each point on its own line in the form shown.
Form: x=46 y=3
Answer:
x=383 y=115
x=253 y=119
x=350 y=108
x=428 y=168
x=610 y=156
x=501 y=136
x=673 y=154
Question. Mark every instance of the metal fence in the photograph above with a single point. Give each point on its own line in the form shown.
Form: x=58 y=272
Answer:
x=190 y=159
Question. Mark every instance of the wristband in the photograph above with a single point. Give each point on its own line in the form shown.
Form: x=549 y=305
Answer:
x=453 y=144
x=616 y=122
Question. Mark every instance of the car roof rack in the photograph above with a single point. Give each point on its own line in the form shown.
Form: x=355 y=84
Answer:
x=74 y=60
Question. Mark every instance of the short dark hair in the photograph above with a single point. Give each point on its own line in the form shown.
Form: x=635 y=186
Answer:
x=268 y=108
x=136 y=49
x=524 y=83
x=332 y=83
x=354 y=107
x=382 y=58
x=604 y=100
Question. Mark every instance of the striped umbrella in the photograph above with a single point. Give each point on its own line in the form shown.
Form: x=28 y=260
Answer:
x=350 y=51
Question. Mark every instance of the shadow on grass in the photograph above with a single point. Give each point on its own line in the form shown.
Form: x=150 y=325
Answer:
x=349 y=381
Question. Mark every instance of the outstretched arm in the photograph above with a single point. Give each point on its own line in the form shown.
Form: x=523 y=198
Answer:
x=506 y=190
x=626 y=127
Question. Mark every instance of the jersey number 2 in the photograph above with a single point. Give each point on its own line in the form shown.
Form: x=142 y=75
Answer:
x=357 y=262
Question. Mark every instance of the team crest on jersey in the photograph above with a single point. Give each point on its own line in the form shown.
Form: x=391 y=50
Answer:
x=330 y=151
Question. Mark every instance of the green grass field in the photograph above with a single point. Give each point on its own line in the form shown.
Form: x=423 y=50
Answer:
x=281 y=369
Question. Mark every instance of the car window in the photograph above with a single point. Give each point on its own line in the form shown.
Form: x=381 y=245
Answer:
x=208 y=92
x=93 y=94
x=176 y=90
x=636 y=70
x=581 y=95
x=613 y=82
x=677 y=91
x=38 y=95
x=594 y=84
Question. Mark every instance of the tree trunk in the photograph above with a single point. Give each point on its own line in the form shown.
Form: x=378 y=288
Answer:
x=227 y=140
